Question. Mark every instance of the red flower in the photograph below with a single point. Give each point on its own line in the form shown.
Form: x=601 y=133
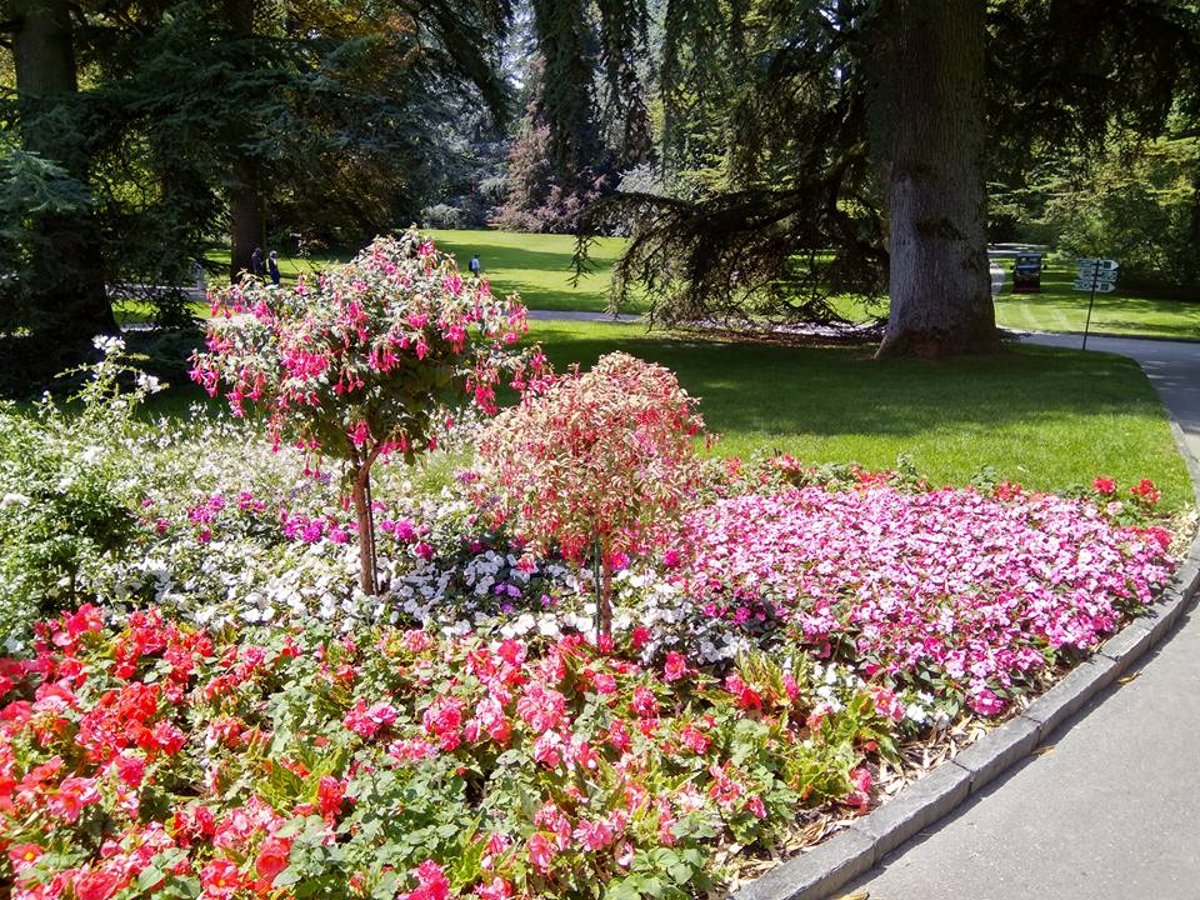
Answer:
x=221 y=879
x=1146 y=491
x=1105 y=485
x=272 y=857
x=98 y=885
x=330 y=792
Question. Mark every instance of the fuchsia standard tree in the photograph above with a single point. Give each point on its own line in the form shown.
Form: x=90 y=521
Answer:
x=601 y=464
x=355 y=366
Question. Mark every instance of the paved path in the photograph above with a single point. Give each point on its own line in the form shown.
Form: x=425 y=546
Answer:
x=1112 y=811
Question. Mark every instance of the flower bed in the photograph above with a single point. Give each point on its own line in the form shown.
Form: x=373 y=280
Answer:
x=947 y=592
x=235 y=718
x=158 y=759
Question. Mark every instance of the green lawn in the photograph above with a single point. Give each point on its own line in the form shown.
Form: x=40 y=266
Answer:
x=538 y=267
x=1047 y=418
x=1058 y=307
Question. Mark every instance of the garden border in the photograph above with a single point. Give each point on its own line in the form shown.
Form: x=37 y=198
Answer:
x=855 y=850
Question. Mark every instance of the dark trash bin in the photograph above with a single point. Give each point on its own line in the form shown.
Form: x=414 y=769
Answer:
x=1027 y=273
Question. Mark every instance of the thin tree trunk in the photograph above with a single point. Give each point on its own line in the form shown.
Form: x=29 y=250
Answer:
x=361 y=495
x=605 y=597
x=67 y=283
x=940 y=292
x=247 y=220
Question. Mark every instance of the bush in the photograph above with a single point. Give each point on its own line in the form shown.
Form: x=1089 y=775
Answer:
x=356 y=367
x=601 y=464
x=67 y=491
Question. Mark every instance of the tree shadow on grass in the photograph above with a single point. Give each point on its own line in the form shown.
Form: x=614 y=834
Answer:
x=838 y=391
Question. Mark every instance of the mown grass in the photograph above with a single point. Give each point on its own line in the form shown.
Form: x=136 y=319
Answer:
x=538 y=267
x=1128 y=310
x=1050 y=419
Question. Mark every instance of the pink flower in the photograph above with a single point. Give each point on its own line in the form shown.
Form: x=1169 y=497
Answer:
x=22 y=856
x=548 y=749
x=595 y=835
x=541 y=852
x=432 y=883
x=368 y=722
x=541 y=708
x=443 y=719
x=497 y=889
x=644 y=703
x=675 y=667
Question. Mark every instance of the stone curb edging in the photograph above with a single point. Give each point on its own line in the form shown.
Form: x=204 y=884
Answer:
x=855 y=850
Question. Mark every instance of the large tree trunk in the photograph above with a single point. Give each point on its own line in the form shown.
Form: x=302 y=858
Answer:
x=67 y=278
x=246 y=208
x=940 y=291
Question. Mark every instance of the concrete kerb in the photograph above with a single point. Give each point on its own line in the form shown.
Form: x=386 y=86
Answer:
x=829 y=866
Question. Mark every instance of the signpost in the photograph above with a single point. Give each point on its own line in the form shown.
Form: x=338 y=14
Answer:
x=1096 y=276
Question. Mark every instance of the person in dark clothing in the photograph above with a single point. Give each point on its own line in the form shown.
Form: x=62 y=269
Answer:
x=474 y=266
x=256 y=263
x=273 y=268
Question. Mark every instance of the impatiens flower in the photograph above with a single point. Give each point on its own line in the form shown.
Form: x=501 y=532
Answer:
x=432 y=883
x=443 y=719
x=860 y=798
x=1104 y=485
x=644 y=703
x=330 y=792
x=368 y=722
x=594 y=836
x=541 y=708
x=986 y=703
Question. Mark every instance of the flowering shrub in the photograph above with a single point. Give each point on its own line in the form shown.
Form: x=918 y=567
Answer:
x=160 y=760
x=599 y=464
x=67 y=480
x=944 y=590
x=353 y=367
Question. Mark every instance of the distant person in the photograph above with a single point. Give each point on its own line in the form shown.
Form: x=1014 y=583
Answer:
x=273 y=267
x=474 y=266
x=256 y=263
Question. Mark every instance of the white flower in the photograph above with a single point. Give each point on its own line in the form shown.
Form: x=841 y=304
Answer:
x=148 y=383
x=13 y=499
x=107 y=344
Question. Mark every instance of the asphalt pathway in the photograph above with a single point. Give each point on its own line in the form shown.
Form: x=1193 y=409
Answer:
x=1110 y=811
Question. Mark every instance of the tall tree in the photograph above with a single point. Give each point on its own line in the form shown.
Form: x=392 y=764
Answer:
x=933 y=84
x=64 y=284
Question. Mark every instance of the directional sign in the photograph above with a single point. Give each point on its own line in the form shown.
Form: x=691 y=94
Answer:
x=1092 y=265
x=1100 y=287
x=1099 y=278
